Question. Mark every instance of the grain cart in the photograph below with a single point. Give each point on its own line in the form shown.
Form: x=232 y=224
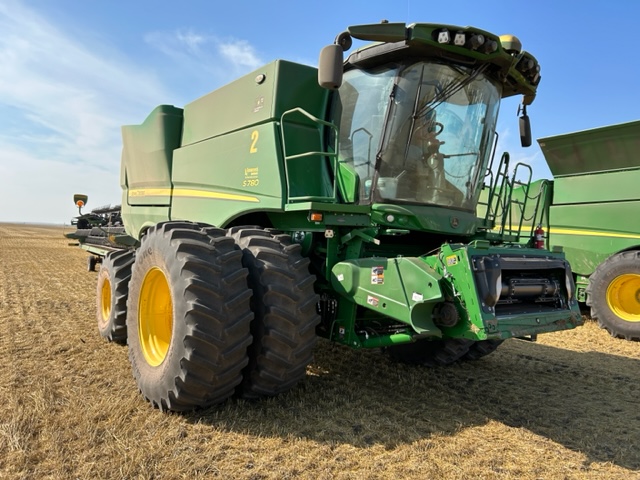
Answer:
x=592 y=209
x=340 y=202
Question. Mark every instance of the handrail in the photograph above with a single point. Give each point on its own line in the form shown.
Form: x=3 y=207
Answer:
x=502 y=205
x=332 y=155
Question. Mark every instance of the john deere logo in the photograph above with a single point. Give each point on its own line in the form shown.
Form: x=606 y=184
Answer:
x=455 y=222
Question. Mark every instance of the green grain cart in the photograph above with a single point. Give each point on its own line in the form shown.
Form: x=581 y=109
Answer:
x=341 y=202
x=592 y=210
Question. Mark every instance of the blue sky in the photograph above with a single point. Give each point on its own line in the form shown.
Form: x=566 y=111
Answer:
x=72 y=72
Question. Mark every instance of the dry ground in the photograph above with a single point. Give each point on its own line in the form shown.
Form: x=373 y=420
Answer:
x=566 y=407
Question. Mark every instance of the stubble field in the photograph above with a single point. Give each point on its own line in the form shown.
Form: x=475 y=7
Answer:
x=565 y=407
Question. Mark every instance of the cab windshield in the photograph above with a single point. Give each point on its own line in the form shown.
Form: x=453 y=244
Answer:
x=417 y=133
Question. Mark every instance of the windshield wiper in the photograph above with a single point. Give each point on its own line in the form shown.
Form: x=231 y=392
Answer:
x=450 y=90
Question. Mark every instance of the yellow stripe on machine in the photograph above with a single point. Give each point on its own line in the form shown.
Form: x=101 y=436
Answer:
x=571 y=231
x=187 y=192
x=591 y=233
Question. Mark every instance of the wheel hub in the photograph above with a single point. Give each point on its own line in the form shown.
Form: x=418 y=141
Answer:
x=623 y=297
x=155 y=317
x=105 y=300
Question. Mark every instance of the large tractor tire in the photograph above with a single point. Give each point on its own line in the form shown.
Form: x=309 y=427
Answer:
x=111 y=297
x=614 y=295
x=431 y=353
x=284 y=307
x=188 y=316
x=481 y=348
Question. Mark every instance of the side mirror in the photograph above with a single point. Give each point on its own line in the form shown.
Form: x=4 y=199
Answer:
x=525 y=130
x=330 y=67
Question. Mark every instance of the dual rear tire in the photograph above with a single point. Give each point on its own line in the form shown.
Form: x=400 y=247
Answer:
x=212 y=313
x=284 y=305
x=111 y=295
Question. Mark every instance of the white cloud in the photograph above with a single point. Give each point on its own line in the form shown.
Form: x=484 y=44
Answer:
x=240 y=53
x=63 y=98
x=204 y=57
x=191 y=40
x=61 y=107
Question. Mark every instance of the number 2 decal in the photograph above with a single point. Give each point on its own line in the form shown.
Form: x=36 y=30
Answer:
x=254 y=141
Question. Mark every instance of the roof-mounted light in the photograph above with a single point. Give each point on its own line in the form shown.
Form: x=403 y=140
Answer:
x=529 y=68
x=489 y=46
x=444 y=36
x=470 y=40
x=475 y=41
x=535 y=77
x=459 y=39
x=526 y=64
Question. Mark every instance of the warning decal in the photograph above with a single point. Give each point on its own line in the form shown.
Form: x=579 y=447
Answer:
x=377 y=275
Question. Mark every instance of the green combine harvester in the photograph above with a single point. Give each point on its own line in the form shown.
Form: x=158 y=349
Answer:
x=339 y=202
x=591 y=209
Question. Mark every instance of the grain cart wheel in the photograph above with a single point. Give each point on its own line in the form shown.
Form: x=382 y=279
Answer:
x=614 y=295
x=431 y=353
x=188 y=316
x=481 y=349
x=111 y=297
x=284 y=305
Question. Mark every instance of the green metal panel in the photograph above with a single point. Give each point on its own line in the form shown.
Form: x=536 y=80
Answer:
x=220 y=178
x=589 y=233
x=348 y=182
x=600 y=149
x=147 y=156
x=258 y=97
x=402 y=288
x=596 y=188
x=594 y=211
x=425 y=218
x=454 y=266
x=326 y=207
x=232 y=153
x=138 y=218
x=379 y=32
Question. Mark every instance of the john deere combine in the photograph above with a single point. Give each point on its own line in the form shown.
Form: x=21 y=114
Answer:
x=340 y=201
x=591 y=208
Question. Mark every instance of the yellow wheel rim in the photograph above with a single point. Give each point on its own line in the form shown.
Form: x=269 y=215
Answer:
x=623 y=297
x=105 y=300
x=155 y=317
